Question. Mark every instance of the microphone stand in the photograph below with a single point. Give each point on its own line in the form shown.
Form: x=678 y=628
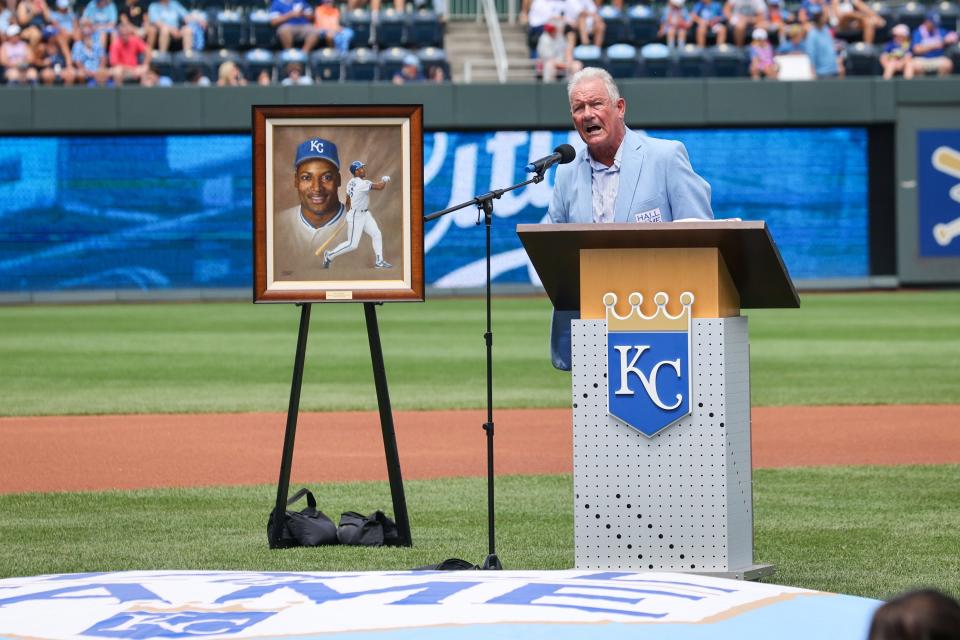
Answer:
x=484 y=203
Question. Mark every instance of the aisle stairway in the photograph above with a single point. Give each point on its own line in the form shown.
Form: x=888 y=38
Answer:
x=469 y=43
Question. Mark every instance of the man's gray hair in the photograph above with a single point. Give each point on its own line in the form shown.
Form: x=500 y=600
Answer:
x=593 y=73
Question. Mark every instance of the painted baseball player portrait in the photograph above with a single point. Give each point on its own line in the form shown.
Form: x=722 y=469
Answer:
x=340 y=211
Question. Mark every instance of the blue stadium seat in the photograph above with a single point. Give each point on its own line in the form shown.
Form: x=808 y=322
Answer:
x=359 y=20
x=288 y=56
x=658 y=60
x=617 y=28
x=361 y=65
x=431 y=57
x=692 y=62
x=262 y=34
x=230 y=30
x=257 y=60
x=954 y=54
x=622 y=61
x=162 y=63
x=863 y=60
x=390 y=29
x=886 y=12
x=644 y=25
x=949 y=15
x=727 y=61
x=588 y=54
x=326 y=65
x=390 y=62
x=911 y=14
x=217 y=58
x=425 y=30
x=187 y=63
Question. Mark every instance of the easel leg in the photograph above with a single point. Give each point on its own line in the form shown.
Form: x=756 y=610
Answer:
x=283 y=485
x=386 y=425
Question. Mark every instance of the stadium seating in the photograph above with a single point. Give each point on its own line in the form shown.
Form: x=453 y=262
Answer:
x=692 y=62
x=361 y=65
x=390 y=29
x=644 y=25
x=187 y=63
x=217 y=58
x=911 y=14
x=289 y=56
x=431 y=57
x=425 y=30
x=621 y=61
x=326 y=65
x=589 y=55
x=617 y=27
x=258 y=60
x=162 y=63
x=727 y=61
x=390 y=61
x=262 y=34
x=229 y=30
x=360 y=21
x=863 y=60
x=657 y=60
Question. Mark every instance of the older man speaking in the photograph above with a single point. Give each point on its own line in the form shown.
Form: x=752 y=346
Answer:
x=621 y=176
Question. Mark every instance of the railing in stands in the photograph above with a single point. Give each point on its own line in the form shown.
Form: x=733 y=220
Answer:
x=496 y=39
x=470 y=9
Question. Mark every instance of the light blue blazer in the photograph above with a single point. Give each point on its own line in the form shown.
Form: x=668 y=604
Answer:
x=657 y=184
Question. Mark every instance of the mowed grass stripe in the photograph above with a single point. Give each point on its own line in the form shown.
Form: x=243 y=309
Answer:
x=869 y=531
x=870 y=348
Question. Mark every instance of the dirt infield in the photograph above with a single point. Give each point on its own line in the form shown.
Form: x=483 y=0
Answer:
x=139 y=451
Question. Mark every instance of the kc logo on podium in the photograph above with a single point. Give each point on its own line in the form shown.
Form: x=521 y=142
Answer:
x=649 y=372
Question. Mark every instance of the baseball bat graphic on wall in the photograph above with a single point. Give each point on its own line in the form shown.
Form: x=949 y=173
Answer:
x=947 y=160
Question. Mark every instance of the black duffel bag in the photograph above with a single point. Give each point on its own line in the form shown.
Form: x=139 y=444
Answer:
x=307 y=528
x=375 y=530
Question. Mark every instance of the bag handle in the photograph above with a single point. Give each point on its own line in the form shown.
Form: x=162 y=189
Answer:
x=311 y=501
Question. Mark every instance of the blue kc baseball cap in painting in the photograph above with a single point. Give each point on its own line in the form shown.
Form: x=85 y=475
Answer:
x=356 y=164
x=317 y=149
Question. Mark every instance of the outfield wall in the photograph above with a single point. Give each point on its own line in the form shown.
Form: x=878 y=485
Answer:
x=856 y=214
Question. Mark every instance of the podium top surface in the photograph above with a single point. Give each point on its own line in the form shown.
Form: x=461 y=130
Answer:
x=748 y=250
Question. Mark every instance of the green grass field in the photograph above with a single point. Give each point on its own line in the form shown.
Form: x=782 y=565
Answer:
x=869 y=531
x=871 y=348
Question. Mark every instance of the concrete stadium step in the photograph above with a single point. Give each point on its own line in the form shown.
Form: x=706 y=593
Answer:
x=470 y=41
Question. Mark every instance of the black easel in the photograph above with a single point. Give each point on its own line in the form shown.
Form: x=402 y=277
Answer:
x=485 y=205
x=386 y=426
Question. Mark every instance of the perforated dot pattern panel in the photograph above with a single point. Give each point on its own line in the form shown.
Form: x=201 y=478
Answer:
x=678 y=501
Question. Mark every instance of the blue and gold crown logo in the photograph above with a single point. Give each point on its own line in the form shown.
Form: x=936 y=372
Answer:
x=659 y=320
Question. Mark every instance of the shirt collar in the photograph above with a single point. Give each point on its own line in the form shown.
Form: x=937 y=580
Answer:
x=327 y=224
x=599 y=166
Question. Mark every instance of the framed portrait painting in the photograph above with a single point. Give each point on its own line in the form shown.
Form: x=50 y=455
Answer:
x=338 y=203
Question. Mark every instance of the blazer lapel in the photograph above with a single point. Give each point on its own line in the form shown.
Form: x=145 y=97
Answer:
x=631 y=161
x=583 y=205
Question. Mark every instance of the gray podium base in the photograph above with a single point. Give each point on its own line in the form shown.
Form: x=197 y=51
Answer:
x=753 y=573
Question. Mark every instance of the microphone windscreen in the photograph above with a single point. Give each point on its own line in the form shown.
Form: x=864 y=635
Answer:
x=567 y=153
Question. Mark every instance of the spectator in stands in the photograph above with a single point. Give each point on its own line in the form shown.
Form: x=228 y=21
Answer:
x=326 y=20
x=856 y=15
x=793 y=41
x=674 y=24
x=743 y=16
x=63 y=29
x=761 y=56
x=436 y=74
x=777 y=20
x=925 y=614
x=709 y=18
x=536 y=14
x=129 y=54
x=134 y=13
x=16 y=58
x=555 y=53
x=102 y=14
x=929 y=41
x=409 y=72
x=32 y=17
x=264 y=79
x=584 y=25
x=229 y=75
x=198 y=78
x=52 y=65
x=152 y=78
x=293 y=22
x=820 y=45
x=293 y=75
x=89 y=59
x=173 y=23
x=896 y=57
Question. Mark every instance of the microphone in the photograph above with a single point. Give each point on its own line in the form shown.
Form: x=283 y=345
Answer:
x=562 y=155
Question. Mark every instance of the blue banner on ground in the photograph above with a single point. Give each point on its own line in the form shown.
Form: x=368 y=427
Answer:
x=161 y=212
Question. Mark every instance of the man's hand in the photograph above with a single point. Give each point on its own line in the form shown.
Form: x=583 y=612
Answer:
x=385 y=179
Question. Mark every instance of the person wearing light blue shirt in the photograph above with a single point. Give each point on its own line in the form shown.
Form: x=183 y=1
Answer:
x=622 y=176
x=173 y=22
x=102 y=14
x=820 y=47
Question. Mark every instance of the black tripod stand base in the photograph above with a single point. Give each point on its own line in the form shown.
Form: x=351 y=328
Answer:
x=492 y=562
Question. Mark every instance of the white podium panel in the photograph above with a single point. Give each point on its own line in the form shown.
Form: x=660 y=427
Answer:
x=682 y=499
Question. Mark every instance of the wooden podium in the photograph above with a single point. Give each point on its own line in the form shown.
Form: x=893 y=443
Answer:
x=680 y=499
